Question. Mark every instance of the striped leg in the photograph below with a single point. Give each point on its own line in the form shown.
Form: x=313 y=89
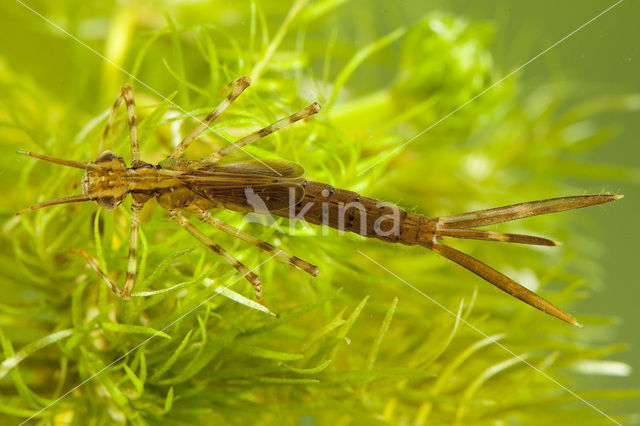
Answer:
x=133 y=246
x=127 y=95
x=94 y=265
x=136 y=207
x=207 y=218
x=304 y=113
x=237 y=86
x=250 y=276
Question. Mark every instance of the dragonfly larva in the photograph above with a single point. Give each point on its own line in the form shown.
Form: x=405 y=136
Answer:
x=279 y=188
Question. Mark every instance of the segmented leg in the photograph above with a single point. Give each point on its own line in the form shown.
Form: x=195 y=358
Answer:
x=304 y=113
x=132 y=264
x=250 y=276
x=127 y=95
x=136 y=208
x=237 y=87
x=94 y=265
x=207 y=218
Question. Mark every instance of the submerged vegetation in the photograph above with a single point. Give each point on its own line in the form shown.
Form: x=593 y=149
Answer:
x=355 y=343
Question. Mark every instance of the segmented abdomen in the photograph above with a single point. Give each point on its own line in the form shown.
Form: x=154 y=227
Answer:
x=349 y=211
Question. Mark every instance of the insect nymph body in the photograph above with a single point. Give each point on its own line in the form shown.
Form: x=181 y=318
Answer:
x=279 y=188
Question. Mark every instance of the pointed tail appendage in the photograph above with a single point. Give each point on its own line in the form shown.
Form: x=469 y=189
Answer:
x=461 y=226
x=346 y=210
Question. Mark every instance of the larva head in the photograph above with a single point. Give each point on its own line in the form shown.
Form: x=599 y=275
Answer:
x=105 y=181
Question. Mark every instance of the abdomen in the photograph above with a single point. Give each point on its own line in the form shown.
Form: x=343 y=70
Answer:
x=349 y=211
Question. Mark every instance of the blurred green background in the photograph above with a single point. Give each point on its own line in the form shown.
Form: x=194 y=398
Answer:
x=598 y=61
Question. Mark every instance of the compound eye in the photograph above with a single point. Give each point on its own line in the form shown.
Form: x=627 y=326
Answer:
x=106 y=156
x=107 y=203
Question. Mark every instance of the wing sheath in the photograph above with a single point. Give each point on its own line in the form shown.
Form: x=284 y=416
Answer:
x=258 y=186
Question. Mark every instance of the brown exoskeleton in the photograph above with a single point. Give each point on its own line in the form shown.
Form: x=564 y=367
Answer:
x=199 y=186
